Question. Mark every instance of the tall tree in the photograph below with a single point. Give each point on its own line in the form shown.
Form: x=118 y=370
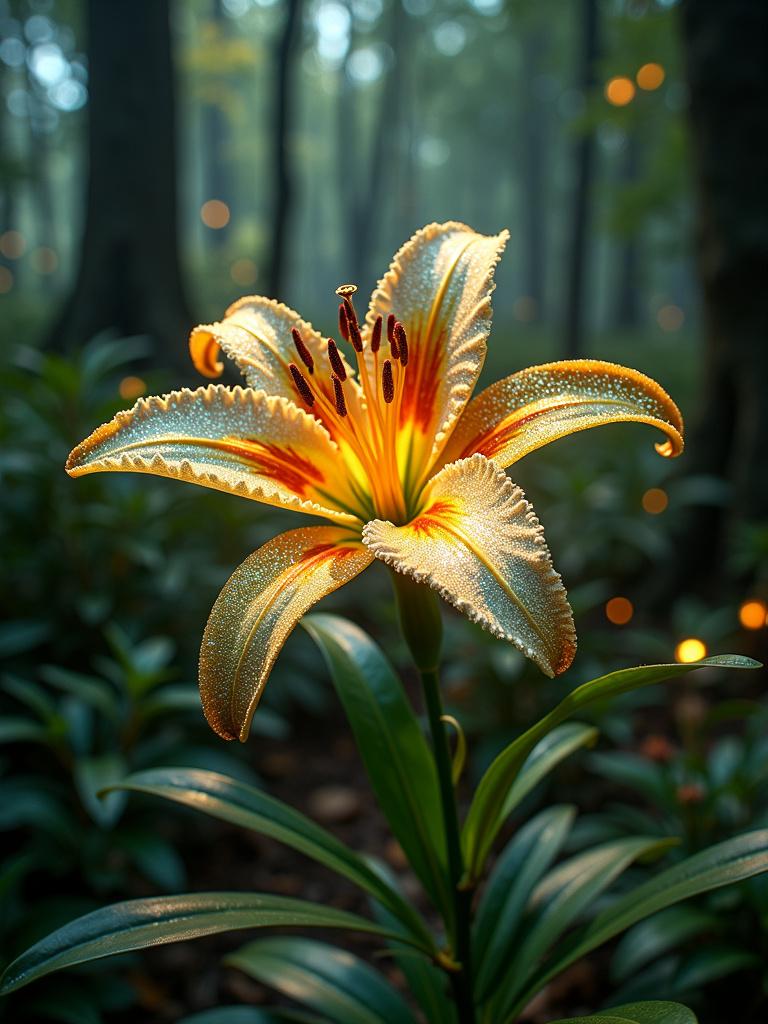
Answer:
x=129 y=277
x=217 y=181
x=282 y=178
x=583 y=161
x=627 y=305
x=727 y=71
x=533 y=163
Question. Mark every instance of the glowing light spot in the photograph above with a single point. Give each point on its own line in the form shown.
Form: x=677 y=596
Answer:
x=214 y=214
x=655 y=501
x=12 y=244
x=243 y=271
x=132 y=387
x=6 y=280
x=525 y=309
x=619 y=611
x=650 y=76
x=689 y=650
x=44 y=259
x=753 y=615
x=620 y=91
x=670 y=318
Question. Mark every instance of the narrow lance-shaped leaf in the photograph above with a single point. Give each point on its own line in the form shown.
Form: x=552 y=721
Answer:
x=486 y=812
x=393 y=748
x=137 y=924
x=231 y=800
x=323 y=978
x=723 y=864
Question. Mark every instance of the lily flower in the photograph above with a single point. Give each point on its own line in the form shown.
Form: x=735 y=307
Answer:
x=393 y=454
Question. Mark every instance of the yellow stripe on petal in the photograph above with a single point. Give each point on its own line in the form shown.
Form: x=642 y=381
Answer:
x=256 y=611
x=256 y=334
x=478 y=542
x=529 y=409
x=439 y=286
x=231 y=439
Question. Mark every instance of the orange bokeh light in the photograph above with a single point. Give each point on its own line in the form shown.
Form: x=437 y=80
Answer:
x=620 y=91
x=132 y=387
x=650 y=76
x=12 y=244
x=619 y=611
x=243 y=271
x=753 y=615
x=654 y=501
x=214 y=214
x=44 y=259
x=691 y=649
x=670 y=318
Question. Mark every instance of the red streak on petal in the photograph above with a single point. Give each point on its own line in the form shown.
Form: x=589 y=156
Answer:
x=425 y=371
x=494 y=439
x=432 y=519
x=284 y=465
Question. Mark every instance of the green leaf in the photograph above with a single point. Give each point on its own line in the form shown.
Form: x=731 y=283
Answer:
x=723 y=864
x=706 y=965
x=137 y=924
x=32 y=695
x=97 y=693
x=486 y=813
x=233 y=801
x=393 y=748
x=657 y=935
x=329 y=980
x=95 y=774
x=545 y=757
x=250 y=1015
x=638 y=1013
x=16 y=729
x=426 y=981
x=525 y=859
x=561 y=897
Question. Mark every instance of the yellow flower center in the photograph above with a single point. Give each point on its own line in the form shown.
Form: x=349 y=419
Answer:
x=368 y=428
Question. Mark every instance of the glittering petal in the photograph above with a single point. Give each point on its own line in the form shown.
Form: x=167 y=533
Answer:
x=520 y=413
x=439 y=286
x=231 y=439
x=477 y=541
x=257 y=609
x=256 y=334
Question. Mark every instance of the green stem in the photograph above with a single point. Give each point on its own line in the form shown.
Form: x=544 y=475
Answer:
x=422 y=628
x=461 y=979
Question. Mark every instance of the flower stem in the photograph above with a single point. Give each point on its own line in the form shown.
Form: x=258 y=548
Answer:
x=461 y=979
x=422 y=628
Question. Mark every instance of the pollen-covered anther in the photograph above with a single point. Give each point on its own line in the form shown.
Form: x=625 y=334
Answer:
x=300 y=382
x=304 y=354
x=402 y=343
x=343 y=322
x=338 y=396
x=391 y=321
x=387 y=382
x=335 y=360
x=355 y=336
x=376 y=334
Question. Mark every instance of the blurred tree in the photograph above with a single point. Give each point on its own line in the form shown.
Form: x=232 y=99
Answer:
x=129 y=277
x=583 y=164
x=728 y=80
x=533 y=165
x=627 y=305
x=218 y=183
x=282 y=178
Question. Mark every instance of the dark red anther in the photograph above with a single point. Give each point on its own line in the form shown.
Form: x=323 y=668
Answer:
x=387 y=383
x=335 y=360
x=402 y=343
x=343 y=321
x=391 y=321
x=376 y=334
x=304 y=354
x=301 y=384
x=355 y=337
x=338 y=396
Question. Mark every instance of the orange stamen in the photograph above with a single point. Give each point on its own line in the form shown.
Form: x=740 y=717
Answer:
x=387 y=384
x=302 y=385
x=335 y=360
x=402 y=342
x=338 y=395
x=304 y=354
x=376 y=334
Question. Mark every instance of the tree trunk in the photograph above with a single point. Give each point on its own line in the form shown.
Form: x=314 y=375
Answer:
x=627 y=308
x=129 y=277
x=728 y=83
x=215 y=133
x=532 y=152
x=282 y=178
x=583 y=161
